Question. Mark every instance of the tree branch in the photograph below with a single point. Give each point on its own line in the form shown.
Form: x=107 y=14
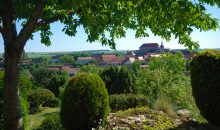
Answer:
x=1 y=29
x=47 y=21
x=30 y=26
x=51 y=20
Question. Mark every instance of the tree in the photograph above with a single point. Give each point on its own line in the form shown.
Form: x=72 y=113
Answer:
x=67 y=59
x=118 y=80
x=104 y=21
x=171 y=63
x=91 y=69
x=56 y=82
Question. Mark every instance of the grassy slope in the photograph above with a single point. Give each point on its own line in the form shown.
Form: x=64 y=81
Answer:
x=35 y=120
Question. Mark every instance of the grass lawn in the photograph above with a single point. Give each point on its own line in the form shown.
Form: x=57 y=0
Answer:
x=36 y=119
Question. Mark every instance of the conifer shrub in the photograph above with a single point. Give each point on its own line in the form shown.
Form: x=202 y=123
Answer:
x=85 y=103
x=37 y=97
x=126 y=101
x=205 y=80
x=118 y=80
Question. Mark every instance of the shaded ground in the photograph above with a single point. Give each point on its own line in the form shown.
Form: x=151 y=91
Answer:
x=35 y=120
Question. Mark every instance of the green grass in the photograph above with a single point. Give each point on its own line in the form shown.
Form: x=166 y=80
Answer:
x=36 y=119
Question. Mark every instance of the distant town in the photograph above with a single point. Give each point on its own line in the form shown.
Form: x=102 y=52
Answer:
x=71 y=62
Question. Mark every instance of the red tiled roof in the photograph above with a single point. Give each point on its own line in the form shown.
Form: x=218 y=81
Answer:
x=84 y=58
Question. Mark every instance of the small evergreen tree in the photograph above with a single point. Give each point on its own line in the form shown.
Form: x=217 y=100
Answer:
x=205 y=79
x=118 y=80
x=85 y=103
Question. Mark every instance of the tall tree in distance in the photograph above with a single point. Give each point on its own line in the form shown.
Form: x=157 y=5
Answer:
x=103 y=21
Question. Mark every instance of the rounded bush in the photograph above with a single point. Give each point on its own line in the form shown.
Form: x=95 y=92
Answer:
x=85 y=103
x=205 y=79
x=37 y=97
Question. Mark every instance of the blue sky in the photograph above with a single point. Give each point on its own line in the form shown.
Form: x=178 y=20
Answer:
x=62 y=42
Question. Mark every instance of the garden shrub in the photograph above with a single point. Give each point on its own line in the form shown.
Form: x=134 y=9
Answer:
x=37 y=97
x=56 y=82
x=51 y=122
x=164 y=106
x=126 y=101
x=118 y=80
x=85 y=102
x=205 y=80
x=52 y=103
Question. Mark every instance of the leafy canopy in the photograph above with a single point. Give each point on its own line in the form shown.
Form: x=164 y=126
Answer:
x=106 y=20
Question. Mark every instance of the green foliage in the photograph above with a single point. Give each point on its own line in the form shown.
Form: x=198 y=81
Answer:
x=164 y=106
x=42 y=75
x=67 y=59
x=90 y=69
x=205 y=79
x=171 y=63
x=82 y=54
x=51 y=122
x=148 y=82
x=117 y=79
x=109 y=17
x=25 y=84
x=85 y=102
x=125 y=101
x=42 y=59
x=37 y=97
x=57 y=81
x=52 y=103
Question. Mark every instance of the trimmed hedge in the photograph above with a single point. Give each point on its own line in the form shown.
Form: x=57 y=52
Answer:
x=126 y=101
x=37 y=97
x=205 y=79
x=85 y=103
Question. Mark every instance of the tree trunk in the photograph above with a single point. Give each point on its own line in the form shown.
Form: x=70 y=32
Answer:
x=11 y=105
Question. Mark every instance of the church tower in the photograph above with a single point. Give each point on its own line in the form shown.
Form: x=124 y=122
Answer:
x=161 y=48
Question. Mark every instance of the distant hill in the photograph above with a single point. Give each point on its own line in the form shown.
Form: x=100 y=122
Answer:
x=122 y=52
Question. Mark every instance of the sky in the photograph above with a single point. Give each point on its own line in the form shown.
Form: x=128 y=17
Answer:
x=62 y=42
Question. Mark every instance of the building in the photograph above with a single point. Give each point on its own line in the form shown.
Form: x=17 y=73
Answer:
x=85 y=60
x=64 y=68
x=129 y=61
x=153 y=47
x=148 y=56
x=149 y=47
x=111 y=59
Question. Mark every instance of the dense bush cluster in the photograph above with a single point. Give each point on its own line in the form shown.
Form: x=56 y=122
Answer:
x=126 y=101
x=85 y=102
x=38 y=96
x=205 y=79
x=118 y=80
x=57 y=81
